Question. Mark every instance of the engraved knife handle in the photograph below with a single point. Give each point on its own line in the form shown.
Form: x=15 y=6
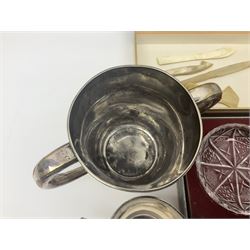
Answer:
x=48 y=172
x=206 y=95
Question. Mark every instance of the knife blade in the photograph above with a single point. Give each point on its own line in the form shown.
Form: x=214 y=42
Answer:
x=188 y=70
x=230 y=69
x=215 y=54
x=229 y=98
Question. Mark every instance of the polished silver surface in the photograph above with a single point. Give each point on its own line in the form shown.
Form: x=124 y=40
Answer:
x=49 y=171
x=130 y=151
x=206 y=95
x=146 y=207
x=182 y=197
x=134 y=128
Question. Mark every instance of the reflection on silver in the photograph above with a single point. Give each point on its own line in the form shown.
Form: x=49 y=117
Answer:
x=48 y=173
x=133 y=128
x=146 y=208
x=138 y=135
x=130 y=151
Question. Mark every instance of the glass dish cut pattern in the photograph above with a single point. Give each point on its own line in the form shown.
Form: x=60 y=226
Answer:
x=223 y=166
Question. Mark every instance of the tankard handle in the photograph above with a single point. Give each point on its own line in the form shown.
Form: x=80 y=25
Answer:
x=48 y=172
x=206 y=95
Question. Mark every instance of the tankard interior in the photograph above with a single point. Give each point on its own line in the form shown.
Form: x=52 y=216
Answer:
x=134 y=128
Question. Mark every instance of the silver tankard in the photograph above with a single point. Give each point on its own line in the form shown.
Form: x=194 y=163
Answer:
x=133 y=128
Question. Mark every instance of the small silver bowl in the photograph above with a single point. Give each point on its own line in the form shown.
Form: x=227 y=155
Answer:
x=146 y=207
